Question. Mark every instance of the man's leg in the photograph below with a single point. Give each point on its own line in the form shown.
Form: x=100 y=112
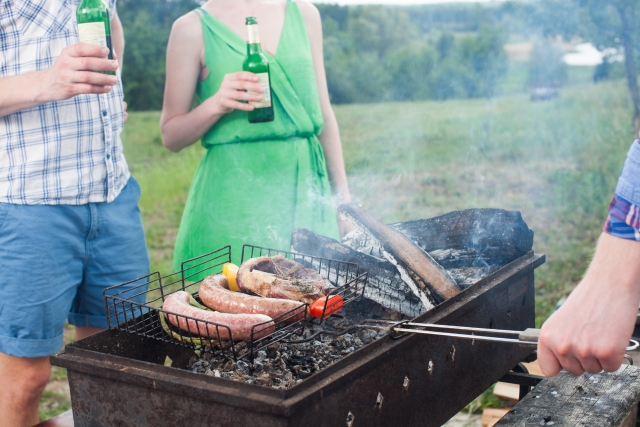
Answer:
x=41 y=254
x=24 y=379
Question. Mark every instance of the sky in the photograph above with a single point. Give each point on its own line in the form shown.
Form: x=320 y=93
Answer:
x=347 y=2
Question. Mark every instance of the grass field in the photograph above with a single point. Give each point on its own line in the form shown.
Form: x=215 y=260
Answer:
x=557 y=162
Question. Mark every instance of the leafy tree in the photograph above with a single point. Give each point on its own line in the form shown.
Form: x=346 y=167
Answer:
x=485 y=55
x=411 y=68
x=445 y=45
x=608 y=24
x=147 y=24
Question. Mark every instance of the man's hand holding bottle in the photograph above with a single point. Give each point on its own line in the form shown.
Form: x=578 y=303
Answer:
x=78 y=70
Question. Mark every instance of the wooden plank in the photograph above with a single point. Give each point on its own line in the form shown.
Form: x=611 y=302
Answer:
x=618 y=400
x=534 y=368
x=507 y=391
x=413 y=263
x=591 y=400
x=490 y=416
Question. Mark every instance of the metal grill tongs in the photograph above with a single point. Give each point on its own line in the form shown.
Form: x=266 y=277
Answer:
x=527 y=337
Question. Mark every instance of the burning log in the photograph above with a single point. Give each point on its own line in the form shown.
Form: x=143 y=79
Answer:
x=484 y=236
x=417 y=268
x=470 y=244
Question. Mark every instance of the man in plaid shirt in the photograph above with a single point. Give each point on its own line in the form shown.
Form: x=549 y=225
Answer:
x=69 y=219
x=591 y=330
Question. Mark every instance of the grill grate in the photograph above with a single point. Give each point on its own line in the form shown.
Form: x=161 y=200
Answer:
x=136 y=306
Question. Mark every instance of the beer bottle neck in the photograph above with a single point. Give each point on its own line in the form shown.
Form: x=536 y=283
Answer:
x=253 y=39
x=253 y=48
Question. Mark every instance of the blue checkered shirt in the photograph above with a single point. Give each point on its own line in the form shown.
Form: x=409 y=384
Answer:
x=624 y=209
x=66 y=152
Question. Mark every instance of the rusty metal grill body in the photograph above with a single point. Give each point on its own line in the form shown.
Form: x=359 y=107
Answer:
x=118 y=378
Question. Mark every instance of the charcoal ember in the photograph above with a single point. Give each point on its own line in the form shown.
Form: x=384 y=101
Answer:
x=347 y=351
x=264 y=379
x=282 y=365
x=272 y=350
x=243 y=366
x=200 y=366
x=192 y=361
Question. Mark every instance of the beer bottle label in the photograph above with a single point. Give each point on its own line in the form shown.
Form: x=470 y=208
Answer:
x=266 y=96
x=253 y=36
x=93 y=33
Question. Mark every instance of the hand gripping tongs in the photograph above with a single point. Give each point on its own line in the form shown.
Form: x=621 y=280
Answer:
x=527 y=337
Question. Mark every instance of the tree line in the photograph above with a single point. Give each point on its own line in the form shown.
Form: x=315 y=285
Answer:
x=407 y=53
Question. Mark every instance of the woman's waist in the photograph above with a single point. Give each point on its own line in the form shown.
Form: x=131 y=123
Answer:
x=214 y=140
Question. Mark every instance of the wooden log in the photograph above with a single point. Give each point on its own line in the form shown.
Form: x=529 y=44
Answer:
x=467 y=265
x=414 y=264
x=590 y=400
x=384 y=286
x=485 y=236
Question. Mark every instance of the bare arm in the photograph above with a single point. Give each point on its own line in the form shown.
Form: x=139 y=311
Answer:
x=592 y=328
x=180 y=125
x=72 y=74
x=117 y=38
x=330 y=136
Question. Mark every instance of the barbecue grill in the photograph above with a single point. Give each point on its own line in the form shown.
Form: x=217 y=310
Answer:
x=118 y=377
x=148 y=319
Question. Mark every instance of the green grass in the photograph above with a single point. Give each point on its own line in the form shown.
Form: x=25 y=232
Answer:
x=557 y=162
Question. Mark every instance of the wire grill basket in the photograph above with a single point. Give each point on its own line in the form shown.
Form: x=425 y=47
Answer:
x=136 y=306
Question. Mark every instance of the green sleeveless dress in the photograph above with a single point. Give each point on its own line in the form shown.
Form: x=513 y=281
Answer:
x=258 y=182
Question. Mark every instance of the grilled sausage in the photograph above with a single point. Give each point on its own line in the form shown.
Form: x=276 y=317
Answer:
x=278 y=277
x=181 y=314
x=215 y=294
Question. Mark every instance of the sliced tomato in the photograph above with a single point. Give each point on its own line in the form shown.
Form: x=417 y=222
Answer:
x=334 y=305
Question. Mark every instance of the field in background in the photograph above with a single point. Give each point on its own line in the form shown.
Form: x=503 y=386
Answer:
x=557 y=162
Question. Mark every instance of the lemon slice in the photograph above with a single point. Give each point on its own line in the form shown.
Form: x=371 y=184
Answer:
x=230 y=271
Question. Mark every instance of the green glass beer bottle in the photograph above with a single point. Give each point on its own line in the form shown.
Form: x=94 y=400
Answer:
x=94 y=26
x=256 y=62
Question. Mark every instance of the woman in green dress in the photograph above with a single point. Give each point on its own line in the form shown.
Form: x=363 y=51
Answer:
x=256 y=182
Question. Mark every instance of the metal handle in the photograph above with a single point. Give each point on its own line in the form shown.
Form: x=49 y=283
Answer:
x=408 y=327
x=527 y=337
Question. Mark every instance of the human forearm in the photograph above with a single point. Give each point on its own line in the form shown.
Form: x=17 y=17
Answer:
x=72 y=74
x=21 y=92
x=332 y=147
x=592 y=329
x=183 y=130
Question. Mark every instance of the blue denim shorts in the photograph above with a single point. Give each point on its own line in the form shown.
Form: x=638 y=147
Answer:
x=55 y=261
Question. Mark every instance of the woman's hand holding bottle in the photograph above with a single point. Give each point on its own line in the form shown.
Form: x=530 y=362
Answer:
x=235 y=91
